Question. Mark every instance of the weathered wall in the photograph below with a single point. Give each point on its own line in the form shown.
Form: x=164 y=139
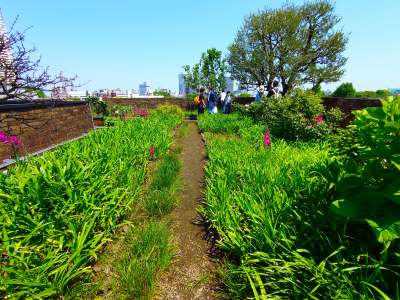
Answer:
x=347 y=105
x=41 y=124
x=150 y=103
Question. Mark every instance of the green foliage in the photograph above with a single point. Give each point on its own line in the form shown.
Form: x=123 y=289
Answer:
x=165 y=94
x=168 y=110
x=98 y=106
x=120 y=111
x=190 y=97
x=209 y=72
x=148 y=250
x=369 y=185
x=295 y=117
x=373 y=94
x=227 y=124
x=58 y=210
x=40 y=94
x=270 y=209
x=296 y=44
x=245 y=95
x=163 y=191
x=345 y=90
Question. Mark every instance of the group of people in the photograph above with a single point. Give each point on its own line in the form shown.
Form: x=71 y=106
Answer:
x=272 y=92
x=212 y=101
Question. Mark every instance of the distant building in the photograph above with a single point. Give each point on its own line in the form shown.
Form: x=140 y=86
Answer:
x=144 y=89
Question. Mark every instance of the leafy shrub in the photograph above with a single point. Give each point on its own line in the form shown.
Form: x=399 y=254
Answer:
x=345 y=90
x=190 y=97
x=120 y=111
x=169 y=110
x=98 y=106
x=370 y=180
x=245 y=95
x=165 y=94
x=299 y=116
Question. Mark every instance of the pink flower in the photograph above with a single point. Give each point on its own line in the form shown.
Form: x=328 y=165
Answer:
x=14 y=140
x=10 y=139
x=141 y=113
x=3 y=137
x=319 y=119
x=267 y=139
x=152 y=151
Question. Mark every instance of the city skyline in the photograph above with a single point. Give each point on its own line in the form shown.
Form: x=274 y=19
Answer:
x=110 y=45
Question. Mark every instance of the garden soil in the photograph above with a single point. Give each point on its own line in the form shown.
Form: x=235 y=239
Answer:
x=190 y=275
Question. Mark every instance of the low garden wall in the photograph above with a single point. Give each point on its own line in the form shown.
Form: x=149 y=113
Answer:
x=150 y=103
x=42 y=124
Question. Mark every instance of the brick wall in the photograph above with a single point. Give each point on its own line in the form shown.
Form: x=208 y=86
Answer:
x=150 y=103
x=41 y=124
x=347 y=105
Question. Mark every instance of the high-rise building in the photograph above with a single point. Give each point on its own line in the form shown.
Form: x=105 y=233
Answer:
x=144 y=89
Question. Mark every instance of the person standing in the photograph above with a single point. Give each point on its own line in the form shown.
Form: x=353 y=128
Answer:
x=227 y=103
x=212 y=102
x=260 y=93
x=201 y=103
x=222 y=100
x=274 y=90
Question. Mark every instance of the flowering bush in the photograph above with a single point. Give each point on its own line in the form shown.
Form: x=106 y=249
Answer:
x=299 y=116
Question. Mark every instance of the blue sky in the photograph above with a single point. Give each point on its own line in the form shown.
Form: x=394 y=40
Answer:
x=121 y=43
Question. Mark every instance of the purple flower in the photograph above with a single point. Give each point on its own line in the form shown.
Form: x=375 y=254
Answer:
x=319 y=119
x=267 y=139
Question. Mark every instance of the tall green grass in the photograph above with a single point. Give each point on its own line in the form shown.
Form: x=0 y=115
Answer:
x=147 y=250
x=270 y=209
x=59 y=209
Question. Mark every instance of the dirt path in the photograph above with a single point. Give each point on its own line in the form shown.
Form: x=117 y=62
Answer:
x=190 y=275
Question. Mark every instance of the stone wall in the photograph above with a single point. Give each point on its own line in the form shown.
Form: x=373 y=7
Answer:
x=42 y=124
x=150 y=103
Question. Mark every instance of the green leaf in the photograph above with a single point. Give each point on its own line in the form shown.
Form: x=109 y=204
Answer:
x=346 y=208
x=396 y=160
x=387 y=226
x=376 y=112
x=392 y=192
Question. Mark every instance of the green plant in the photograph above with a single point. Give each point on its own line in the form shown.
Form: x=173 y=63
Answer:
x=148 y=251
x=120 y=111
x=97 y=105
x=299 y=116
x=369 y=186
x=58 y=210
x=164 y=187
x=270 y=210
x=345 y=90
x=169 y=110
x=165 y=94
x=244 y=95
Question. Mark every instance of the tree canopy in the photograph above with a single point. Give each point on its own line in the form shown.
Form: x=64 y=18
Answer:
x=295 y=44
x=345 y=90
x=209 y=72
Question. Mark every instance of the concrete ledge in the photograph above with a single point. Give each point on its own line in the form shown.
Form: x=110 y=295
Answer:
x=15 y=105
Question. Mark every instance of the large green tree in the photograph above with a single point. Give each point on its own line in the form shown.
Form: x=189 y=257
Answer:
x=295 y=44
x=209 y=72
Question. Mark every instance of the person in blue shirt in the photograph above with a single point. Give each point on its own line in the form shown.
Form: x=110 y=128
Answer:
x=260 y=93
x=212 y=102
